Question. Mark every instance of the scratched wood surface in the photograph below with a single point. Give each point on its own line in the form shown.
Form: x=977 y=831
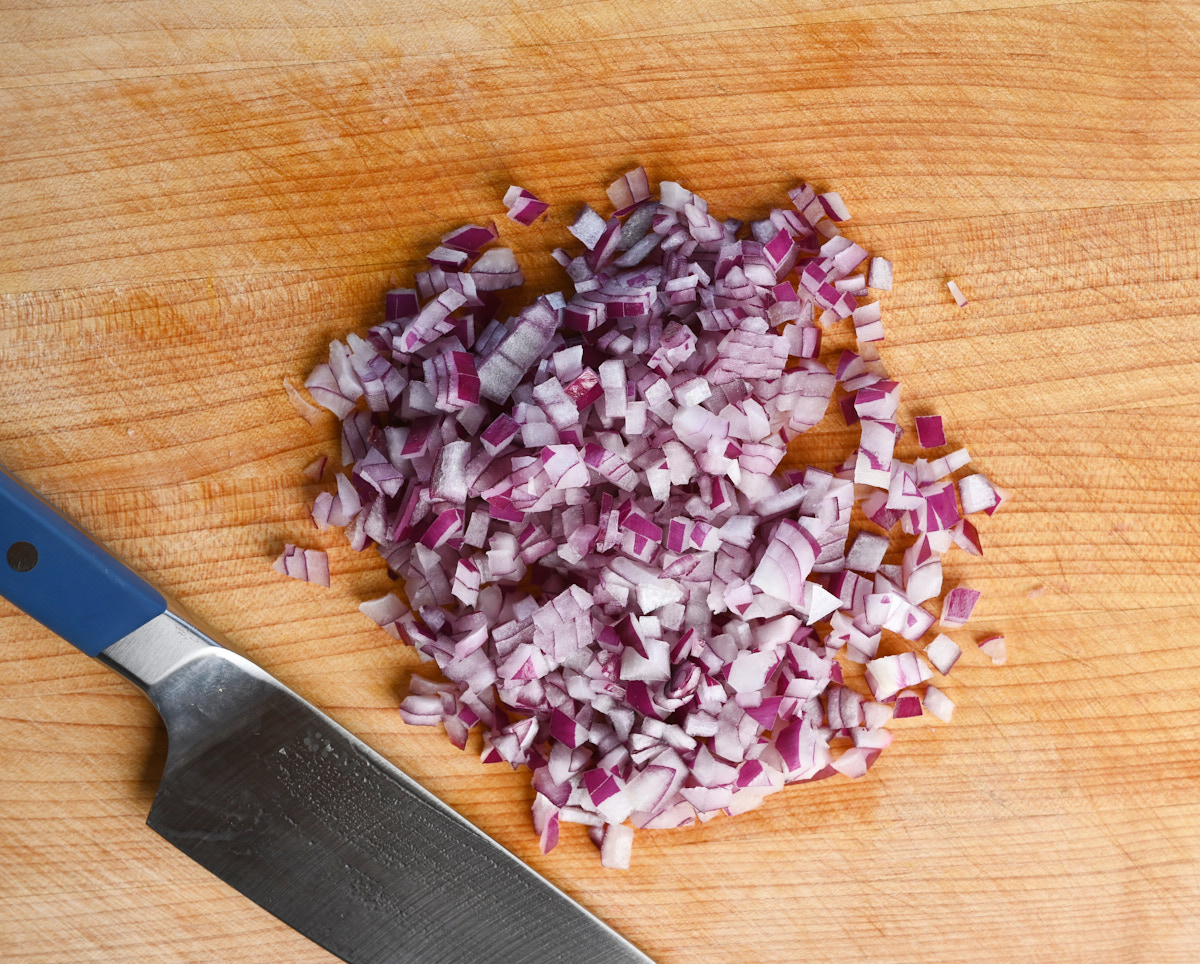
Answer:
x=195 y=197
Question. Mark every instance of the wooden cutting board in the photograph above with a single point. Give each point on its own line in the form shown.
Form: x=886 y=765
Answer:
x=194 y=198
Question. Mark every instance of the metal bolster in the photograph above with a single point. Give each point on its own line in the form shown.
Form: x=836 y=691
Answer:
x=155 y=650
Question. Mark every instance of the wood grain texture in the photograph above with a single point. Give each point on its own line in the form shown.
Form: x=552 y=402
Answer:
x=195 y=197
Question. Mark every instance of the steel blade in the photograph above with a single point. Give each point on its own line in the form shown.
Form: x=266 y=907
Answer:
x=307 y=821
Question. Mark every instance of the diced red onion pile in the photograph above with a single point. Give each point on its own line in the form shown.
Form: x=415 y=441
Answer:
x=585 y=502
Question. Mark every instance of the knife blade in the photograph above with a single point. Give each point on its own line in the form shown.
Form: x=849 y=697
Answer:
x=279 y=801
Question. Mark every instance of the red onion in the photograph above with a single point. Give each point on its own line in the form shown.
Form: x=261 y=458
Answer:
x=622 y=589
x=938 y=703
x=943 y=652
x=958 y=606
x=930 y=434
x=996 y=648
x=889 y=675
x=304 y=408
x=522 y=206
x=315 y=470
x=307 y=565
x=879 y=274
x=978 y=494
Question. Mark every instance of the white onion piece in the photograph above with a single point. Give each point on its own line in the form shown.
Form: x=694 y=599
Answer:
x=876 y=715
x=629 y=189
x=855 y=761
x=943 y=652
x=386 y=612
x=879 y=274
x=979 y=494
x=888 y=675
x=307 y=565
x=601 y=554
x=938 y=703
x=924 y=582
x=996 y=648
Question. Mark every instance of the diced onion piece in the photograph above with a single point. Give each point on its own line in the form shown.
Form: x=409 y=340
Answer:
x=876 y=715
x=315 y=470
x=938 y=703
x=879 y=274
x=966 y=536
x=616 y=846
x=866 y=551
x=995 y=648
x=959 y=297
x=943 y=652
x=888 y=675
x=960 y=602
x=629 y=189
x=588 y=227
x=906 y=704
x=522 y=206
x=307 y=565
x=855 y=760
x=386 y=612
x=979 y=494
x=930 y=434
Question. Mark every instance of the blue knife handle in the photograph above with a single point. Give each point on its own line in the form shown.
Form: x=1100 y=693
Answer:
x=65 y=580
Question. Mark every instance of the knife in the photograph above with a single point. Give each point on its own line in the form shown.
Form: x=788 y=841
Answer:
x=279 y=801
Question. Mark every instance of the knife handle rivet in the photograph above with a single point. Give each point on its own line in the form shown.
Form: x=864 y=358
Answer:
x=22 y=556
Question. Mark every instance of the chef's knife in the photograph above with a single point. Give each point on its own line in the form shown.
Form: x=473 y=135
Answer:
x=279 y=801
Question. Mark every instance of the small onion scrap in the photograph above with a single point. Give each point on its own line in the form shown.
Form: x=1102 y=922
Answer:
x=996 y=648
x=307 y=565
x=522 y=206
x=624 y=585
